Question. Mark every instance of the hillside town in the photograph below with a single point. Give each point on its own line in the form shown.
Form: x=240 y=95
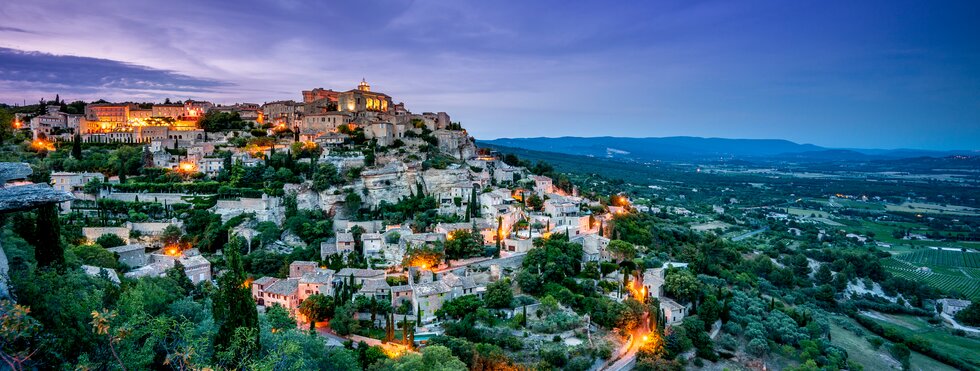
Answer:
x=348 y=204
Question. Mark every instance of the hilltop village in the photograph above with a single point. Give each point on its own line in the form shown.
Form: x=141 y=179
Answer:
x=351 y=216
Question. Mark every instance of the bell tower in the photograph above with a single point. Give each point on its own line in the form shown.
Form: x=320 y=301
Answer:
x=363 y=86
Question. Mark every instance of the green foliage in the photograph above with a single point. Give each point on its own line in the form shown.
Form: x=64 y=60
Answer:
x=279 y=318
x=499 y=294
x=219 y=121
x=326 y=176
x=110 y=240
x=48 y=249
x=970 y=315
x=464 y=243
x=234 y=309
x=95 y=255
x=317 y=308
x=435 y=357
x=459 y=307
x=343 y=322
x=622 y=250
x=555 y=260
x=682 y=285
x=171 y=235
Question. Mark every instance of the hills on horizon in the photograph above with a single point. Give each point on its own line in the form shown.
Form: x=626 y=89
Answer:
x=681 y=148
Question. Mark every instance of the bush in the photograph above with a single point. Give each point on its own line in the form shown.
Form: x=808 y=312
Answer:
x=109 y=240
x=757 y=347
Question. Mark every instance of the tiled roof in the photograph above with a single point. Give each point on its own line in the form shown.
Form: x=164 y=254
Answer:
x=375 y=285
x=318 y=276
x=401 y=288
x=360 y=273
x=265 y=281
x=283 y=287
x=431 y=288
x=127 y=248
x=345 y=237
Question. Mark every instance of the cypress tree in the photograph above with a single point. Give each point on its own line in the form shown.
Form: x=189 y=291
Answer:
x=147 y=158
x=122 y=173
x=405 y=331
x=47 y=248
x=233 y=305
x=76 y=147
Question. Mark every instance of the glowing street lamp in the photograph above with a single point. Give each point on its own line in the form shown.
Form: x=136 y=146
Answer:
x=187 y=167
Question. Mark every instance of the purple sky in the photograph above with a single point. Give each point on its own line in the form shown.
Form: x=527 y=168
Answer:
x=869 y=74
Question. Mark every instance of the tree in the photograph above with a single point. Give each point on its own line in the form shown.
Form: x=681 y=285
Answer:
x=171 y=235
x=901 y=353
x=233 y=307
x=709 y=311
x=970 y=315
x=824 y=275
x=325 y=176
x=344 y=321
x=535 y=202
x=352 y=203
x=147 y=158
x=622 y=250
x=682 y=285
x=20 y=336
x=459 y=307
x=463 y=243
x=434 y=357
x=47 y=249
x=499 y=294
x=76 y=147
x=549 y=305
x=95 y=255
x=279 y=318
x=110 y=240
x=178 y=274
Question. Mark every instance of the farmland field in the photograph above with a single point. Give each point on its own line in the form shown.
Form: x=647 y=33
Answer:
x=918 y=207
x=946 y=258
x=950 y=283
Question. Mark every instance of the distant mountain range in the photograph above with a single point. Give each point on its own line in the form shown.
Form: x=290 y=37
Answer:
x=697 y=148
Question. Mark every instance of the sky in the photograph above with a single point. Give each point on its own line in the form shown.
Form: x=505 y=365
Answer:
x=846 y=74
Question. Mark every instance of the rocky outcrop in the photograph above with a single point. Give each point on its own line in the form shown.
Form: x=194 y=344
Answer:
x=456 y=143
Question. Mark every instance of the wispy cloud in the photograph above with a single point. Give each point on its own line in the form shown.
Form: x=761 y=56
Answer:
x=64 y=73
x=14 y=29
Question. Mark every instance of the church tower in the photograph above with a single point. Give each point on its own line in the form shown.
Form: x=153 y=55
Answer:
x=363 y=86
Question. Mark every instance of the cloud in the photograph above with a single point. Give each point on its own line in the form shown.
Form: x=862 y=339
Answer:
x=87 y=76
x=14 y=29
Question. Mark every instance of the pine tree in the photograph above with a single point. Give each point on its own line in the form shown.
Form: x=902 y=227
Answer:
x=47 y=248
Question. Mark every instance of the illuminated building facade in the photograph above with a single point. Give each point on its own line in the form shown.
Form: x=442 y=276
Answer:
x=109 y=122
x=310 y=96
x=363 y=99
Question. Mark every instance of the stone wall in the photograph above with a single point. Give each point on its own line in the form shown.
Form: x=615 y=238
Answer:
x=93 y=233
x=265 y=208
x=169 y=198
